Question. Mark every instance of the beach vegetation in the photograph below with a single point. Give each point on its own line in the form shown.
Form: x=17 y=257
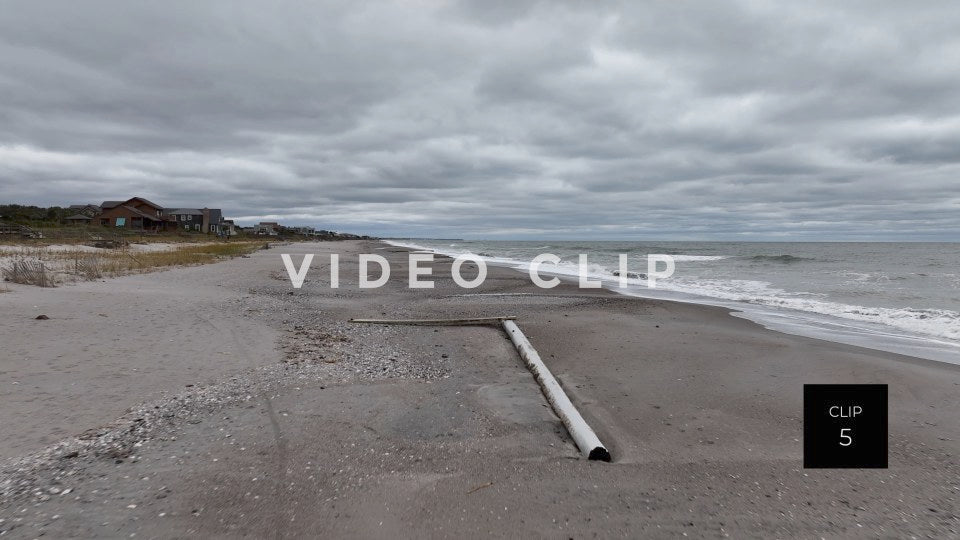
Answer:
x=46 y=266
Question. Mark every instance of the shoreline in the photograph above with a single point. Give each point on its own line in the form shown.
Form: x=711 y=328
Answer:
x=832 y=328
x=374 y=431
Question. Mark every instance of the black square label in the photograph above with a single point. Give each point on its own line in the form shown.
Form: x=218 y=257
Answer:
x=845 y=426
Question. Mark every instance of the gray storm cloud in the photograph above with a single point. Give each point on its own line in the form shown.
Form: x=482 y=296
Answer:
x=697 y=120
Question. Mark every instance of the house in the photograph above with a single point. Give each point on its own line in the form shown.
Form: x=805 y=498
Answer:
x=212 y=220
x=88 y=210
x=268 y=228
x=135 y=213
x=205 y=220
x=229 y=228
x=187 y=219
x=78 y=219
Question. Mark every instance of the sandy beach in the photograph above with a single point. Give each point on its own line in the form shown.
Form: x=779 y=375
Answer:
x=219 y=401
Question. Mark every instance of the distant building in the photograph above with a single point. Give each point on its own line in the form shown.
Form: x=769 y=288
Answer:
x=78 y=219
x=88 y=210
x=135 y=213
x=205 y=220
x=268 y=228
x=187 y=219
x=229 y=228
x=306 y=231
x=212 y=220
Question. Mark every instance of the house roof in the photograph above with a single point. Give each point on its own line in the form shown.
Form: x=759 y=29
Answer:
x=140 y=213
x=186 y=211
x=113 y=204
x=79 y=216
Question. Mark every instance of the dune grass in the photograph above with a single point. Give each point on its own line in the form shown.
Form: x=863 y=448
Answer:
x=124 y=261
x=37 y=265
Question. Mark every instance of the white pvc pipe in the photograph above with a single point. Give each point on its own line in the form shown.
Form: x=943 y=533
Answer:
x=585 y=438
x=436 y=322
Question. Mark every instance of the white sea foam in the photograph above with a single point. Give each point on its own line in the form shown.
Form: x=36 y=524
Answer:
x=935 y=323
x=687 y=258
x=407 y=244
x=940 y=323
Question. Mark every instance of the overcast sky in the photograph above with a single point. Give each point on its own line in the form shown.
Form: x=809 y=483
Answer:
x=495 y=119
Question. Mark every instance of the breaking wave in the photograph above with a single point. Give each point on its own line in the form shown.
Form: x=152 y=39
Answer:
x=779 y=258
x=690 y=258
x=939 y=323
x=932 y=323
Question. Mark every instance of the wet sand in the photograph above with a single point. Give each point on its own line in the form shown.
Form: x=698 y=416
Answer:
x=390 y=431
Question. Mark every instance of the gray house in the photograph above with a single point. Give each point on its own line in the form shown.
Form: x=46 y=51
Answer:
x=213 y=220
x=188 y=219
x=205 y=220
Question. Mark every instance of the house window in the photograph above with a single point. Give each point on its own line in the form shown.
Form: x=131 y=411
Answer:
x=186 y=227
x=104 y=221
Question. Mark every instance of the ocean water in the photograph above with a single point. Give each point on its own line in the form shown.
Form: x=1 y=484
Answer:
x=899 y=297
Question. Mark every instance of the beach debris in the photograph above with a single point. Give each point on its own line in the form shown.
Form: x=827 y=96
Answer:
x=41 y=317
x=437 y=322
x=478 y=488
x=582 y=434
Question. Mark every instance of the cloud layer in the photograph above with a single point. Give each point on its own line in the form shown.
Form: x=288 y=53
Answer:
x=699 y=120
